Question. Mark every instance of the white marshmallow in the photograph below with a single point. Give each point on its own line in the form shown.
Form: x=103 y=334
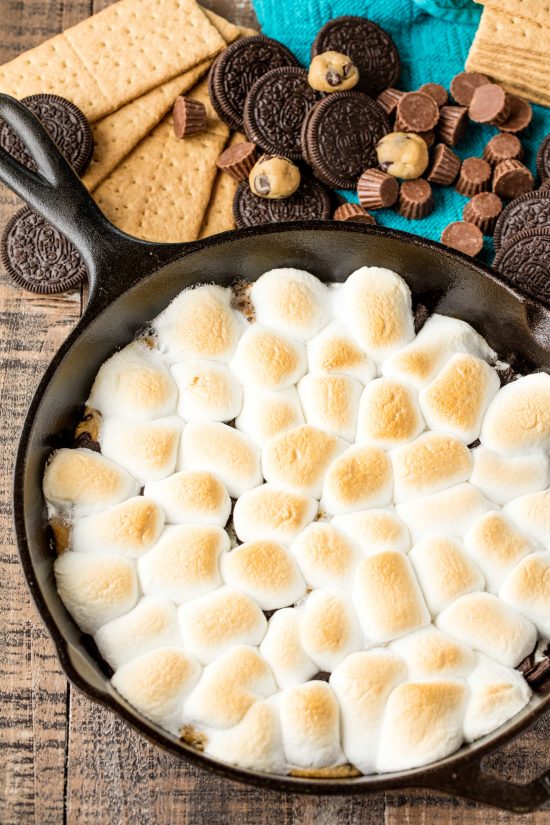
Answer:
x=496 y=694
x=191 y=497
x=184 y=563
x=127 y=529
x=223 y=450
x=326 y=556
x=310 y=721
x=268 y=360
x=335 y=351
x=331 y=402
x=497 y=546
x=452 y=511
x=502 y=479
x=531 y=513
x=527 y=588
x=430 y=463
x=255 y=742
x=445 y=571
x=359 y=478
x=374 y=530
x=329 y=630
x=282 y=649
x=266 y=572
x=389 y=414
x=147 y=449
x=291 y=301
x=518 y=420
x=272 y=513
x=266 y=413
x=431 y=654
x=456 y=400
x=208 y=391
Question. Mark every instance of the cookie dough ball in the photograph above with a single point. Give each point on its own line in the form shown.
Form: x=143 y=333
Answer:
x=332 y=72
x=403 y=155
x=274 y=177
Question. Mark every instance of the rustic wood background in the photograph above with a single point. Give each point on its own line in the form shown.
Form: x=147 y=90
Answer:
x=64 y=759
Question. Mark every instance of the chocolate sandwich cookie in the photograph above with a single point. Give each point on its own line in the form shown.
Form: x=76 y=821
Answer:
x=512 y=179
x=519 y=116
x=464 y=237
x=66 y=125
x=529 y=211
x=464 y=84
x=38 y=257
x=483 y=210
x=525 y=262
x=339 y=137
x=543 y=158
x=311 y=201
x=237 y=68
x=367 y=45
x=275 y=109
x=353 y=213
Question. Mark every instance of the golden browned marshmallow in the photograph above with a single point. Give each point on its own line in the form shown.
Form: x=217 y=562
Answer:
x=422 y=723
x=497 y=546
x=272 y=513
x=455 y=402
x=363 y=682
x=207 y=391
x=329 y=629
x=335 y=351
x=430 y=654
x=374 y=530
x=310 y=722
x=267 y=413
x=332 y=72
x=331 y=402
x=450 y=511
x=274 y=177
x=291 y=301
x=220 y=620
x=127 y=529
x=268 y=360
x=496 y=694
x=502 y=479
x=429 y=464
x=518 y=420
x=445 y=571
x=199 y=323
x=387 y=597
x=389 y=414
x=326 y=556
x=531 y=513
x=157 y=683
x=266 y=572
x=403 y=155
x=299 y=458
x=134 y=383
x=183 y=564
x=84 y=482
x=191 y=497
x=283 y=650
x=95 y=587
x=255 y=742
x=359 y=478
x=147 y=449
x=527 y=588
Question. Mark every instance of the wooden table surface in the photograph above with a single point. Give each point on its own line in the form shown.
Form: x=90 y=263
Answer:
x=65 y=759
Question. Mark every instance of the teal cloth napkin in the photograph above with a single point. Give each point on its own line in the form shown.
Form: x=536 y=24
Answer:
x=432 y=48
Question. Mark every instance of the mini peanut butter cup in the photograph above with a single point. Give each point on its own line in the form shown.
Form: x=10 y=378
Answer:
x=489 y=104
x=377 y=189
x=353 y=213
x=483 y=211
x=445 y=166
x=452 y=125
x=519 y=116
x=512 y=179
x=503 y=147
x=428 y=137
x=415 y=199
x=388 y=100
x=464 y=84
x=437 y=92
x=238 y=160
x=189 y=117
x=474 y=177
x=464 y=237
x=417 y=112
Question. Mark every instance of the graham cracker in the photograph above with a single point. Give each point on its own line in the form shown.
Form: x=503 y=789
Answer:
x=531 y=9
x=219 y=213
x=511 y=32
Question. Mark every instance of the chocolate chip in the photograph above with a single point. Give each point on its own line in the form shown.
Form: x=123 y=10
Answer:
x=262 y=185
x=333 y=78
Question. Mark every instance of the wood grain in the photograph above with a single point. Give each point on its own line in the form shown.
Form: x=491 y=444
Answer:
x=64 y=759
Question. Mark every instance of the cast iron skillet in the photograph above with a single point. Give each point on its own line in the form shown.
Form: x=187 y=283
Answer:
x=130 y=282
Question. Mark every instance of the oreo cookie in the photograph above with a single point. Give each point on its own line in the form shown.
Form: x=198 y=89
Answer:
x=37 y=257
x=237 y=68
x=529 y=211
x=543 y=158
x=275 y=109
x=339 y=137
x=311 y=201
x=367 y=45
x=66 y=125
x=525 y=263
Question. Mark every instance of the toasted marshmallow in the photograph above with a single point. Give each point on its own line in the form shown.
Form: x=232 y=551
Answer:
x=440 y=338
x=331 y=403
x=199 y=323
x=291 y=301
x=266 y=413
x=518 y=420
x=387 y=597
x=282 y=649
x=229 y=687
x=363 y=683
x=531 y=513
x=134 y=383
x=329 y=630
x=191 y=497
x=374 y=530
x=153 y=622
x=310 y=721
x=433 y=462
x=157 y=683
x=445 y=571
x=422 y=723
x=208 y=391
x=326 y=556
x=484 y=622
x=255 y=742
x=375 y=305
x=271 y=513
x=456 y=400
x=268 y=360
x=431 y=654
x=497 y=546
x=266 y=572
x=220 y=620
x=452 y=511
x=95 y=587
x=184 y=563
x=127 y=529
x=502 y=479
x=359 y=478
x=389 y=414
x=335 y=351
x=85 y=482
x=298 y=459
x=223 y=450
x=496 y=694
x=527 y=588
x=147 y=449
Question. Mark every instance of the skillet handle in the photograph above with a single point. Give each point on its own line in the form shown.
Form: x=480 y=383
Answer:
x=115 y=260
